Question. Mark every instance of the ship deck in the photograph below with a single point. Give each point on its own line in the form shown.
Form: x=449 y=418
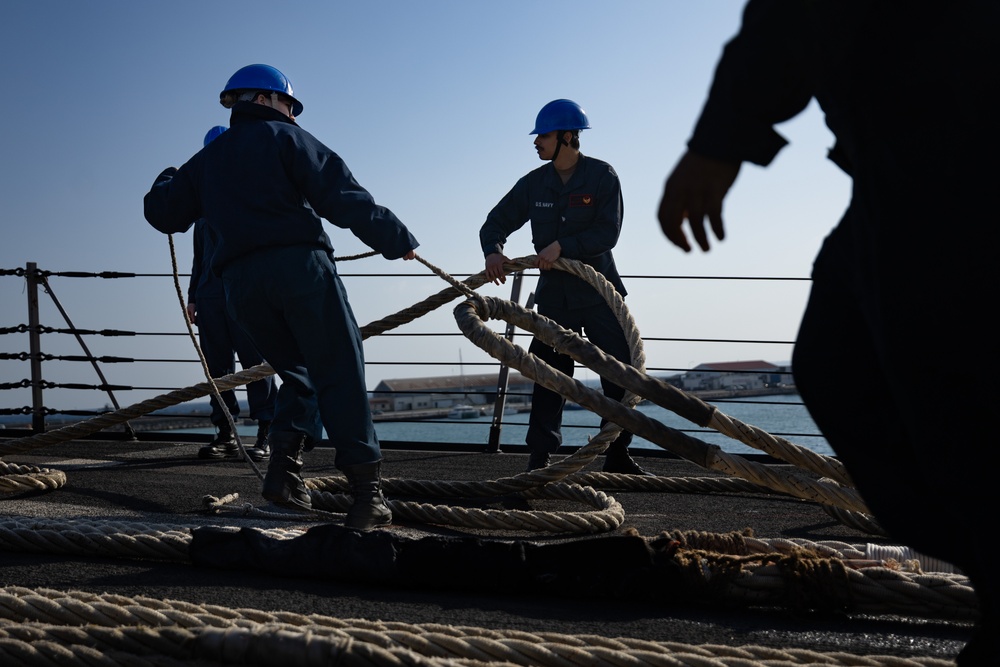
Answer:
x=121 y=525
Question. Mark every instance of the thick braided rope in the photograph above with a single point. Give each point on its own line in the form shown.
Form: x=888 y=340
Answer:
x=56 y=626
x=729 y=568
x=20 y=478
x=710 y=481
x=610 y=516
x=568 y=466
x=308 y=647
x=238 y=379
x=674 y=399
x=607 y=513
x=101 y=422
x=471 y=316
x=667 y=396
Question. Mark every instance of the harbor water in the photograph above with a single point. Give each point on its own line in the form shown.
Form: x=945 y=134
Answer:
x=780 y=415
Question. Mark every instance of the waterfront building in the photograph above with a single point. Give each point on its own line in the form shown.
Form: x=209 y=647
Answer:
x=735 y=375
x=446 y=391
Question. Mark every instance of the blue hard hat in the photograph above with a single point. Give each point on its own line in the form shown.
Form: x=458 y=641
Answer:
x=561 y=115
x=262 y=77
x=213 y=133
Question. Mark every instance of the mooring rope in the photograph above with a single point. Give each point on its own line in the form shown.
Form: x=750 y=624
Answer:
x=757 y=568
x=670 y=397
x=20 y=478
x=48 y=627
x=832 y=491
x=734 y=569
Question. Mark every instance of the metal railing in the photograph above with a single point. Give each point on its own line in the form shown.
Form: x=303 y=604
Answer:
x=67 y=355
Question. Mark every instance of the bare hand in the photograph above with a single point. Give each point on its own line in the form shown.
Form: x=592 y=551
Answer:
x=494 y=267
x=549 y=254
x=410 y=255
x=192 y=310
x=695 y=190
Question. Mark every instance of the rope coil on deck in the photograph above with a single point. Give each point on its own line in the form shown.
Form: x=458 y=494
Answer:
x=756 y=571
x=19 y=478
x=631 y=378
x=34 y=630
x=733 y=568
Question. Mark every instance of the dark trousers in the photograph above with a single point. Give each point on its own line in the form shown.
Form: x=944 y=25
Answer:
x=879 y=364
x=294 y=307
x=603 y=330
x=222 y=341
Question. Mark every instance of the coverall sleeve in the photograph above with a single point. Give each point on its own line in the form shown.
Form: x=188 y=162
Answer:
x=172 y=205
x=332 y=191
x=196 y=262
x=760 y=80
x=508 y=216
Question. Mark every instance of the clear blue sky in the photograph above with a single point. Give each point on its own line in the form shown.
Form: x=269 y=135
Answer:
x=430 y=104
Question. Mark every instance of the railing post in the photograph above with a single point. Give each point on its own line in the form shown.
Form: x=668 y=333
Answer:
x=35 y=350
x=496 y=426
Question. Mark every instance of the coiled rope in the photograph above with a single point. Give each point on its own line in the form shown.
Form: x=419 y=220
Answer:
x=833 y=490
x=47 y=627
x=941 y=593
x=831 y=493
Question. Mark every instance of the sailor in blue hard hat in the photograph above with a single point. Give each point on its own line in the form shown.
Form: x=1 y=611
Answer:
x=553 y=122
x=265 y=188
x=262 y=84
x=575 y=207
x=213 y=133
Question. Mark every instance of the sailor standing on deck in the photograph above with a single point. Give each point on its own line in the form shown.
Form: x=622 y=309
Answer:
x=575 y=206
x=264 y=187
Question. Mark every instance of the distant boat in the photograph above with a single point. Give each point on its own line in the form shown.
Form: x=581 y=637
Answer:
x=464 y=412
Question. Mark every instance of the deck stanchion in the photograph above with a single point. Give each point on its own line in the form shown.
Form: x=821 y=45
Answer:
x=493 y=445
x=35 y=347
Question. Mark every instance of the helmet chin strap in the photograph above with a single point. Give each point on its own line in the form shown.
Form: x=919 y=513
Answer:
x=559 y=144
x=274 y=101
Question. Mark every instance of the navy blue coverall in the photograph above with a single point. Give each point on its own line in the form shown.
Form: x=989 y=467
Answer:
x=585 y=216
x=896 y=352
x=220 y=337
x=264 y=188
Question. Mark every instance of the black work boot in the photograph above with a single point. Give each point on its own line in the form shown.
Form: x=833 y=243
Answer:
x=369 y=509
x=537 y=460
x=222 y=447
x=282 y=483
x=617 y=460
x=261 y=450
